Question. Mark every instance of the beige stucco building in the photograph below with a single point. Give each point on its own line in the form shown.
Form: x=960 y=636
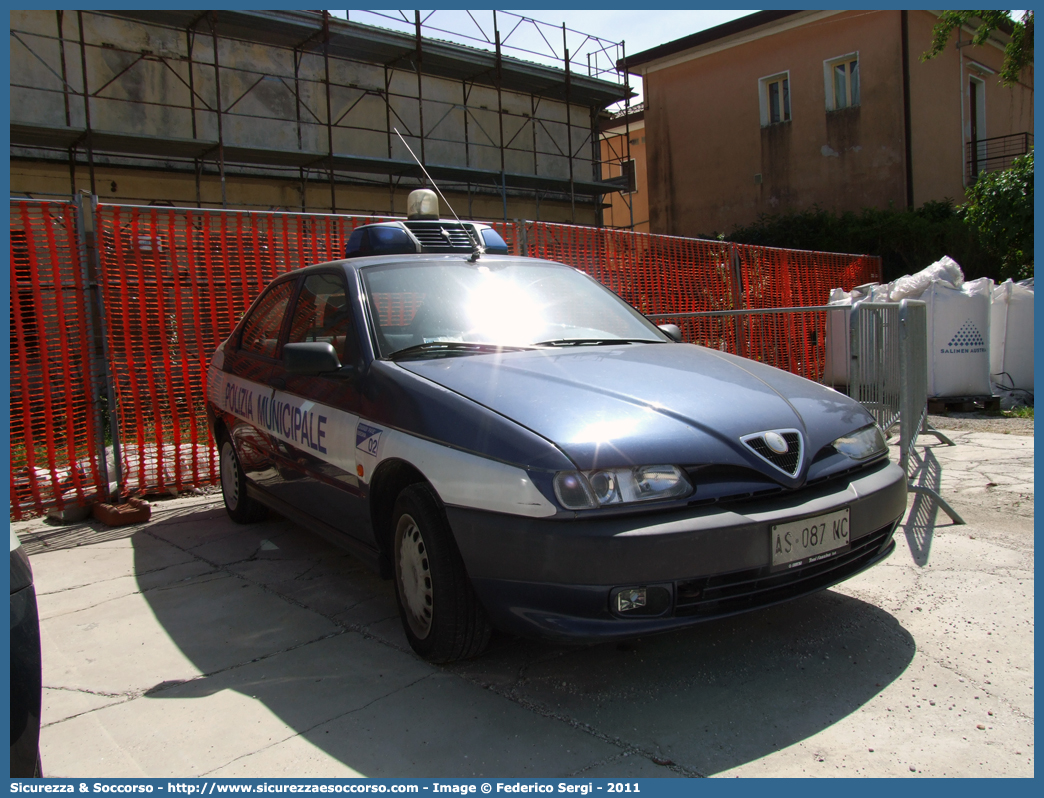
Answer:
x=782 y=110
x=624 y=158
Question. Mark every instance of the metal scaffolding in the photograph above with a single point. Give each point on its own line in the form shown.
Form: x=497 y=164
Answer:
x=617 y=150
x=192 y=101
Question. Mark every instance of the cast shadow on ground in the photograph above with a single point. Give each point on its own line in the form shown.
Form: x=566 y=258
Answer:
x=921 y=519
x=706 y=699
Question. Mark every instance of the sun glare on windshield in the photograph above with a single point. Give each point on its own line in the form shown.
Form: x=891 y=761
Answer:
x=501 y=311
x=418 y=306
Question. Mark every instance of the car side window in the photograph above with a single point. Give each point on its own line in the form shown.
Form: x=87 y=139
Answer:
x=261 y=329
x=324 y=314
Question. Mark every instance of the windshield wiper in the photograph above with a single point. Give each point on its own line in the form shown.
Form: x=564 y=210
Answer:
x=594 y=341
x=450 y=348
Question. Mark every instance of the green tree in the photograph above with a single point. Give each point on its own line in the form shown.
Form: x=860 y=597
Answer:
x=1018 y=53
x=1000 y=207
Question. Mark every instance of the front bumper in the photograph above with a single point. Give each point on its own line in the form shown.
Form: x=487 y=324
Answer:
x=553 y=578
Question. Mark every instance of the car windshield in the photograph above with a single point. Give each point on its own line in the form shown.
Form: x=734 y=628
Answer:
x=458 y=307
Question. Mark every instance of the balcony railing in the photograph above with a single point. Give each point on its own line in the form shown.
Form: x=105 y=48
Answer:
x=993 y=155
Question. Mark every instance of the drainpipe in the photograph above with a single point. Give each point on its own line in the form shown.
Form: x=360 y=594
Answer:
x=905 y=25
x=960 y=59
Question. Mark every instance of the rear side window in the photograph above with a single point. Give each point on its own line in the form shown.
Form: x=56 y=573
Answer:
x=261 y=329
x=323 y=314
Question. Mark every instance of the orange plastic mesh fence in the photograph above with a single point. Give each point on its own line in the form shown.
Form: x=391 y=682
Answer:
x=54 y=434
x=655 y=274
x=774 y=278
x=665 y=274
x=510 y=232
x=790 y=278
x=794 y=340
x=175 y=282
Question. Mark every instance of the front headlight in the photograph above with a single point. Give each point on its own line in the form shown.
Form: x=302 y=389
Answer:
x=862 y=444
x=585 y=490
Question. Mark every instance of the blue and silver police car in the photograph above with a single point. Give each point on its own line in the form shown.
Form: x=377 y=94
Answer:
x=518 y=448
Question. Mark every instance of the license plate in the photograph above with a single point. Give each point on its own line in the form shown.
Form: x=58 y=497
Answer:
x=798 y=543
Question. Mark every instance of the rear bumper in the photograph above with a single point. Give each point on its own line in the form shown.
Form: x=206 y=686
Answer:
x=554 y=578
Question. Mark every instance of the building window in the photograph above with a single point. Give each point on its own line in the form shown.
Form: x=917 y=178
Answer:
x=842 y=81
x=628 y=171
x=774 y=94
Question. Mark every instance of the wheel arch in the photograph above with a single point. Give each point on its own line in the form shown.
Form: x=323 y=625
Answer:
x=218 y=424
x=388 y=481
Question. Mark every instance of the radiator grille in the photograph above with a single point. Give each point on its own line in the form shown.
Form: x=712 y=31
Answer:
x=789 y=462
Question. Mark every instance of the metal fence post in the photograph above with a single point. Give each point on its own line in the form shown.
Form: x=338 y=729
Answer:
x=102 y=372
x=738 y=299
x=913 y=374
x=909 y=384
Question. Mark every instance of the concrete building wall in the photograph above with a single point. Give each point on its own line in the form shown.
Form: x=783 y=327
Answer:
x=709 y=148
x=140 y=75
x=938 y=89
x=714 y=165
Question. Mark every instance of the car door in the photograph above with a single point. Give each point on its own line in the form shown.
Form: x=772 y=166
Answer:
x=315 y=417
x=249 y=366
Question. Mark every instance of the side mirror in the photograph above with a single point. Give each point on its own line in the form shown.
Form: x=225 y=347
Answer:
x=673 y=331
x=311 y=359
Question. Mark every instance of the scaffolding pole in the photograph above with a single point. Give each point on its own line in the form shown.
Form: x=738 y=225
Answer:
x=86 y=103
x=217 y=105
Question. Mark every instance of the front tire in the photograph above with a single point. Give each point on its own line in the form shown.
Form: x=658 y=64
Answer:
x=240 y=507
x=441 y=614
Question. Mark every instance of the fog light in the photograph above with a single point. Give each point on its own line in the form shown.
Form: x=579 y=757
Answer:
x=647 y=601
x=631 y=598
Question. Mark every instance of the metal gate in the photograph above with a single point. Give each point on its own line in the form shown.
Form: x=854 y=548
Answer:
x=913 y=395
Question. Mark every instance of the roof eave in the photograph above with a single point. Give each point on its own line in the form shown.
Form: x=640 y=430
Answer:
x=747 y=24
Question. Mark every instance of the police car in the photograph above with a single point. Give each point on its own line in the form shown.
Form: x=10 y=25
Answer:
x=518 y=448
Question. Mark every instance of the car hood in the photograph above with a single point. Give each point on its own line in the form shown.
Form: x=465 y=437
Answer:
x=648 y=403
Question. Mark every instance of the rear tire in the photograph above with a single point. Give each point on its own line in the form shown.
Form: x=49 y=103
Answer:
x=240 y=507
x=441 y=614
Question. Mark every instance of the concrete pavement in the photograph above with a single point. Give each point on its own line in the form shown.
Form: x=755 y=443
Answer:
x=191 y=646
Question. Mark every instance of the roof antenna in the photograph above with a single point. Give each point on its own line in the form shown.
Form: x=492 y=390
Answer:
x=477 y=248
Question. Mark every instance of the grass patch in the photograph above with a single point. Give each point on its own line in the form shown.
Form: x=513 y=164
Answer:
x=1019 y=412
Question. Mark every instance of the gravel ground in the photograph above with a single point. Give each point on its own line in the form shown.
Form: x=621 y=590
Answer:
x=983 y=422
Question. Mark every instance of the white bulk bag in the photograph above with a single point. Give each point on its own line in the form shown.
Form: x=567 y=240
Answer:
x=913 y=286
x=1011 y=337
x=959 y=338
x=838 y=340
x=837 y=344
